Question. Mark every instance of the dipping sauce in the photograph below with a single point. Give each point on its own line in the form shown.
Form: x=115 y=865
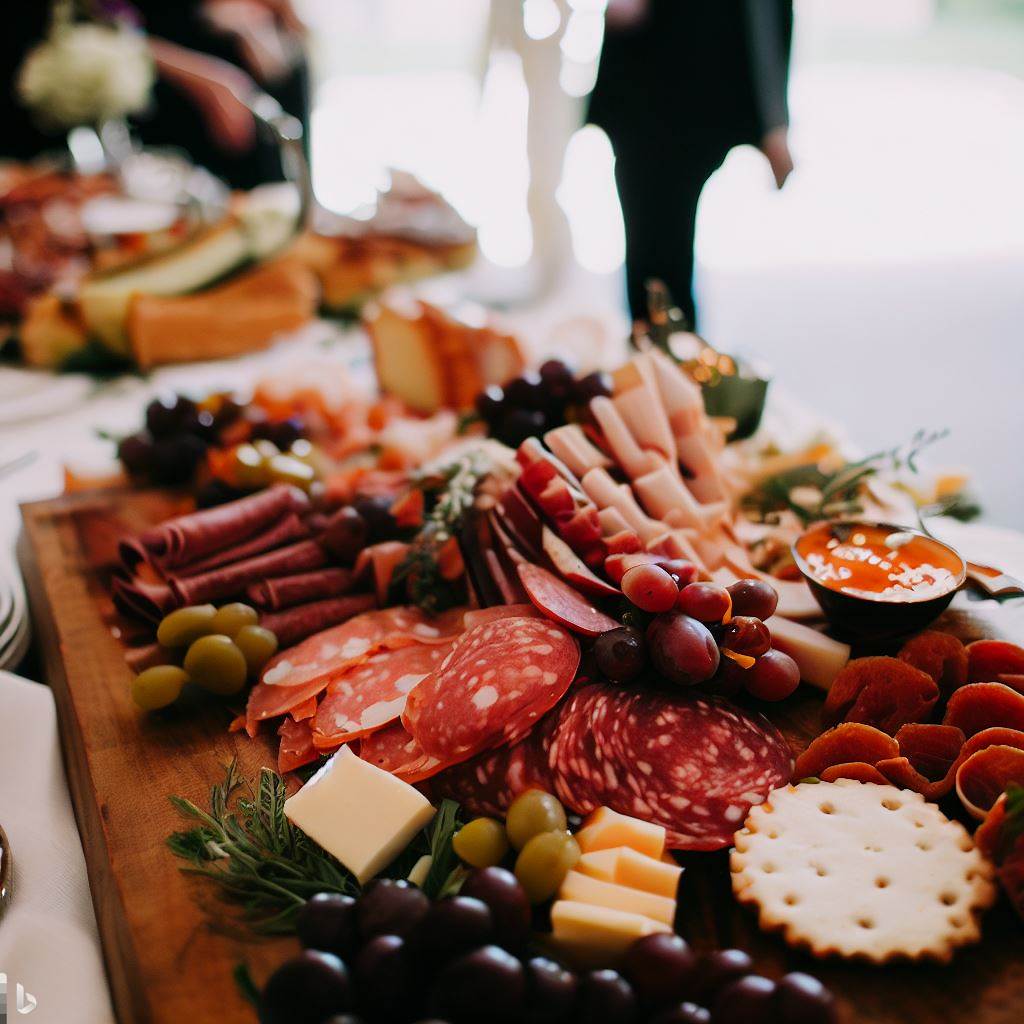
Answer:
x=879 y=562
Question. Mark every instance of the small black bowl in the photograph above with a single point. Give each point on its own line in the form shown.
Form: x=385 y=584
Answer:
x=860 y=617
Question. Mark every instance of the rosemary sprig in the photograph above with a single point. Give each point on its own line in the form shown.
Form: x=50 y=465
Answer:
x=268 y=868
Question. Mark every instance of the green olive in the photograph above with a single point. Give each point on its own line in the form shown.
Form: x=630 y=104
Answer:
x=186 y=625
x=230 y=618
x=267 y=449
x=216 y=664
x=544 y=862
x=288 y=470
x=258 y=646
x=481 y=842
x=250 y=467
x=158 y=686
x=532 y=813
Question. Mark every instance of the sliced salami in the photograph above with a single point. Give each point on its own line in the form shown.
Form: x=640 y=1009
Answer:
x=394 y=749
x=198 y=534
x=287 y=591
x=297 y=746
x=373 y=694
x=692 y=764
x=495 y=685
x=287 y=529
x=558 y=601
x=478 y=616
x=292 y=625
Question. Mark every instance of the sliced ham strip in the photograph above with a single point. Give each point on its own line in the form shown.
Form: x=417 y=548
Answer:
x=287 y=591
x=231 y=580
x=293 y=625
x=193 y=536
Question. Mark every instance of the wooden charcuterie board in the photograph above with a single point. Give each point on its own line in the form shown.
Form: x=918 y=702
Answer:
x=167 y=962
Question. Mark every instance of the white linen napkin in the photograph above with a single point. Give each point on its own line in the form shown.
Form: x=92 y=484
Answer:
x=48 y=939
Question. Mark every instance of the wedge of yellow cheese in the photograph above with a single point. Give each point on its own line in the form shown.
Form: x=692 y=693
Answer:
x=598 y=893
x=597 y=935
x=624 y=866
x=606 y=829
x=361 y=814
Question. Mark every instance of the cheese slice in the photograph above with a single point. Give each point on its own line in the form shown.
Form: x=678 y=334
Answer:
x=361 y=814
x=626 y=867
x=597 y=935
x=606 y=829
x=598 y=893
x=819 y=657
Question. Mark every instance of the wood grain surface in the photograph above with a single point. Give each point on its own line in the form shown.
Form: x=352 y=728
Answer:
x=167 y=961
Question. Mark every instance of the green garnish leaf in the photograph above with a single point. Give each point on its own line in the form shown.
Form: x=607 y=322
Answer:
x=1013 y=823
x=246 y=986
x=442 y=857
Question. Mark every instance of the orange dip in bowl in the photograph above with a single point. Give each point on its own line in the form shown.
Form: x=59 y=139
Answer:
x=879 y=562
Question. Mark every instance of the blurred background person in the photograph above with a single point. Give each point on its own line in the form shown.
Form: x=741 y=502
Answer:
x=680 y=83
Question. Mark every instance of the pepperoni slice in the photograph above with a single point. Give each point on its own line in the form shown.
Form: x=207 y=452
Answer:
x=883 y=692
x=931 y=749
x=857 y=770
x=373 y=694
x=295 y=675
x=496 y=683
x=843 y=744
x=478 y=616
x=940 y=655
x=394 y=749
x=987 y=660
x=558 y=601
x=293 y=625
x=983 y=777
x=296 y=747
x=978 y=706
x=692 y=764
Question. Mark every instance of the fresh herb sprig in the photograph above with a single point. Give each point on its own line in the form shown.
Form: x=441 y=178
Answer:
x=1013 y=824
x=834 y=493
x=269 y=868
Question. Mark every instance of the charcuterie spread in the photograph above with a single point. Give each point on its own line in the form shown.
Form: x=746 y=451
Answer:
x=529 y=653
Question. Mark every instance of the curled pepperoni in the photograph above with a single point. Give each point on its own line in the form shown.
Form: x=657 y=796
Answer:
x=883 y=692
x=988 y=660
x=985 y=775
x=931 y=749
x=940 y=655
x=978 y=706
x=394 y=750
x=558 y=601
x=857 y=770
x=296 y=747
x=844 y=744
x=989 y=835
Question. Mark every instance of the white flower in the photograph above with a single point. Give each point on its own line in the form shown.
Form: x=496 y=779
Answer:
x=85 y=74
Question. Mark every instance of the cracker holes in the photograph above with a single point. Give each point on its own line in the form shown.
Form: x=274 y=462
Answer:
x=891 y=805
x=791 y=899
x=821 y=870
x=924 y=844
x=947 y=899
x=957 y=921
x=768 y=868
x=872 y=848
x=881 y=882
x=773 y=834
x=866 y=923
x=827 y=808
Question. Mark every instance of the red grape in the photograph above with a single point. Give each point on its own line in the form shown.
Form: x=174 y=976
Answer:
x=620 y=653
x=682 y=571
x=682 y=649
x=306 y=989
x=345 y=534
x=746 y=635
x=650 y=588
x=774 y=676
x=728 y=680
x=605 y=996
x=754 y=597
x=718 y=969
x=705 y=602
x=748 y=1000
x=802 y=999
x=661 y=969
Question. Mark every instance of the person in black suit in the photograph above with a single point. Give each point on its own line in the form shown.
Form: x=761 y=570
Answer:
x=680 y=82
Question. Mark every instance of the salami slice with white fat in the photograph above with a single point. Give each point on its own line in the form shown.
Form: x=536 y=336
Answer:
x=558 y=601
x=394 y=750
x=498 y=681
x=372 y=694
x=691 y=763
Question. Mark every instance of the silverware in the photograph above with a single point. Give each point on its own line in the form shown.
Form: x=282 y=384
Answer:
x=993 y=582
x=6 y=871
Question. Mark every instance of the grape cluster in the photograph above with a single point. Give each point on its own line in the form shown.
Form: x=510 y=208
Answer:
x=702 y=634
x=392 y=956
x=538 y=401
x=178 y=431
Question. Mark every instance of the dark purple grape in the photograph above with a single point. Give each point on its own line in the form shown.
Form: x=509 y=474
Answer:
x=718 y=969
x=328 y=922
x=607 y=997
x=744 y=634
x=550 y=992
x=306 y=990
x=216 y=492
x=204 y=425
x=728 y=680
x=281 y=433
x=594 y=385
x=510 y=908
x=558 y=382
x=518 y=424
x=487 y=984
x=175 y=459
x=774 y=676
x=526 y=392
x=384 y=979
x=136 y=454
x=802 y=999
x=226 y=411
x=682 y=649
x=390 y=906
x=661 y=969
x=345 y=1018
x=345 y=534
x=748 y=1000
x=620 y=653
x=753 y=597
x=376 y=511
x=490 y=404
x=451 y=927
x=166 y=413
x=683 y=1013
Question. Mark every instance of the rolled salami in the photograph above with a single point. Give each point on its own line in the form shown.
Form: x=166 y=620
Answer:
x=295 y=624
x=287 y=529
x=286 y=591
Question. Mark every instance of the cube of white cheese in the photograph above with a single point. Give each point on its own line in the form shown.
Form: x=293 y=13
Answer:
x=361 y=814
